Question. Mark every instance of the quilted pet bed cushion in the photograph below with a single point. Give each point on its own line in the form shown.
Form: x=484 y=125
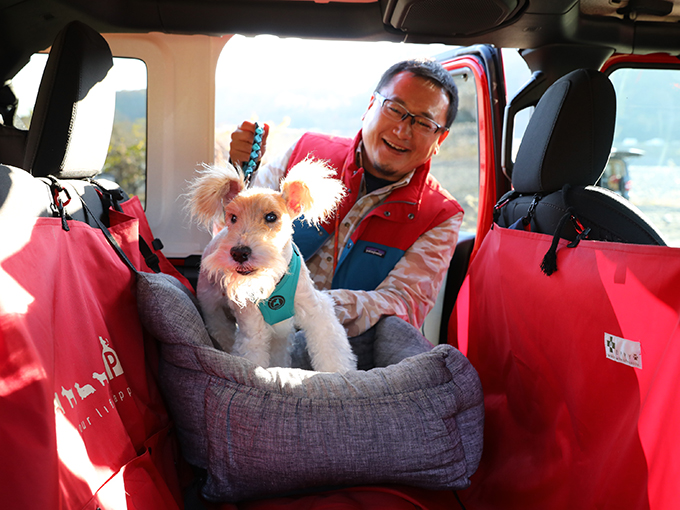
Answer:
x=260 y=432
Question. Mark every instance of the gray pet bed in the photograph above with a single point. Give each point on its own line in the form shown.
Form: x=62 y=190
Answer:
x=260 y=432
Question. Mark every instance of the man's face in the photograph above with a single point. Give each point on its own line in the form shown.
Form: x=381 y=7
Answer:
x=392 y=148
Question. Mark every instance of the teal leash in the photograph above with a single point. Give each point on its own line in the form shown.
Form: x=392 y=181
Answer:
x=250 y=167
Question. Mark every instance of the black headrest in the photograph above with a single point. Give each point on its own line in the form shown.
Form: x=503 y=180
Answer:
x=569 y=136
x=72 y=120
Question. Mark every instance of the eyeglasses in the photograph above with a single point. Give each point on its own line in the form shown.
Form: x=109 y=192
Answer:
x=396 y=112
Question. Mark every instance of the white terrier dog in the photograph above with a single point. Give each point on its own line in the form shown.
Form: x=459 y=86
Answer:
x=252 y=256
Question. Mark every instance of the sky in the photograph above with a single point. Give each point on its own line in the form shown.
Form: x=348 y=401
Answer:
x=315 y=61
x=319 y=85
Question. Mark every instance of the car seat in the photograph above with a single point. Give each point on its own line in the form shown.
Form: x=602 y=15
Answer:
x=72 y=90
x=70 y=131
x=562 y=155
x=580 y=368
x=68 y=139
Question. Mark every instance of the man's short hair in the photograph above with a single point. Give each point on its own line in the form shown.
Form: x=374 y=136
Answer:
x=431 y=71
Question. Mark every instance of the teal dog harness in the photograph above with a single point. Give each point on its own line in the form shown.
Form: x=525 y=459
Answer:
x=281 y=304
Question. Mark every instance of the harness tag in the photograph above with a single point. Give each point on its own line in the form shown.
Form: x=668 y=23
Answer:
x=281 y=304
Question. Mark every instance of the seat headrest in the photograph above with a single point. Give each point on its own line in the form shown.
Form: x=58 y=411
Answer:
x=72 y=119
x=569 y=136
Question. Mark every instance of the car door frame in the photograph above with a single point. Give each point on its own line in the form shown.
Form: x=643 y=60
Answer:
x=485 y=64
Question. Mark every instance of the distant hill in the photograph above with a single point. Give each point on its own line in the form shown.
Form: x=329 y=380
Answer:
x=130 y=105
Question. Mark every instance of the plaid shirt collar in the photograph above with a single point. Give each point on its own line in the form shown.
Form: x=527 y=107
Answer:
x=358 y=162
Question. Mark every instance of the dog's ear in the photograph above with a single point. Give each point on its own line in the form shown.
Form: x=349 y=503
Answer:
x=310 y=188
x=214 y=188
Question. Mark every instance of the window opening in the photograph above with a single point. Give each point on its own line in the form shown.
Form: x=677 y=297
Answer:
x=325 y=86
x=456 y=166
x=644 y=165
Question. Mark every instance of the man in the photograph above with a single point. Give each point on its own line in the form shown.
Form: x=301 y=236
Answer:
x=388 y=249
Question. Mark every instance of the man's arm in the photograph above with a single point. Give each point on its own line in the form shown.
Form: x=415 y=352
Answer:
x=410 y=289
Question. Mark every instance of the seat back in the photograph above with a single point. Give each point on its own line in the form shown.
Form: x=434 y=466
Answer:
x=579 y=372
x=577 y=367
x=73 y=115
x=562 y=155
x=71 y=126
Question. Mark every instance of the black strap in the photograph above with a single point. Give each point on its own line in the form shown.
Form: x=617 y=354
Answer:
x=526 y=220
x=150 y=257
x=110 y=238
x=549 y=263
x=112 y=198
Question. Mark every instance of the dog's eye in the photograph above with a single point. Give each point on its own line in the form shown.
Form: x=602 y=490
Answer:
x=270 y=217
x=233 y=218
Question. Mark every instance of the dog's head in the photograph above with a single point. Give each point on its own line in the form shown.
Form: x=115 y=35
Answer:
x=253 y=227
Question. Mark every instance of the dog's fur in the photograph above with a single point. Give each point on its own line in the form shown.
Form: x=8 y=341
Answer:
x=250 y=251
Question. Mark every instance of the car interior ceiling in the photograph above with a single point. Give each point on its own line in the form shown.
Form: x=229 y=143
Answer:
x=569 y=27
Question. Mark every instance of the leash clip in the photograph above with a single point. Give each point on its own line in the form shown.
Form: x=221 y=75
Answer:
x=57 y=203
x=581 y=232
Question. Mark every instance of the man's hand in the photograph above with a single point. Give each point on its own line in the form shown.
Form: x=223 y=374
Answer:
x=242 y=142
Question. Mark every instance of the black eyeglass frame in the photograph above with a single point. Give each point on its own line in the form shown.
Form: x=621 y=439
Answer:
x=381 y=99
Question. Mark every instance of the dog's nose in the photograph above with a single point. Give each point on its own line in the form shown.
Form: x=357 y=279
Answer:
x=240 y=253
